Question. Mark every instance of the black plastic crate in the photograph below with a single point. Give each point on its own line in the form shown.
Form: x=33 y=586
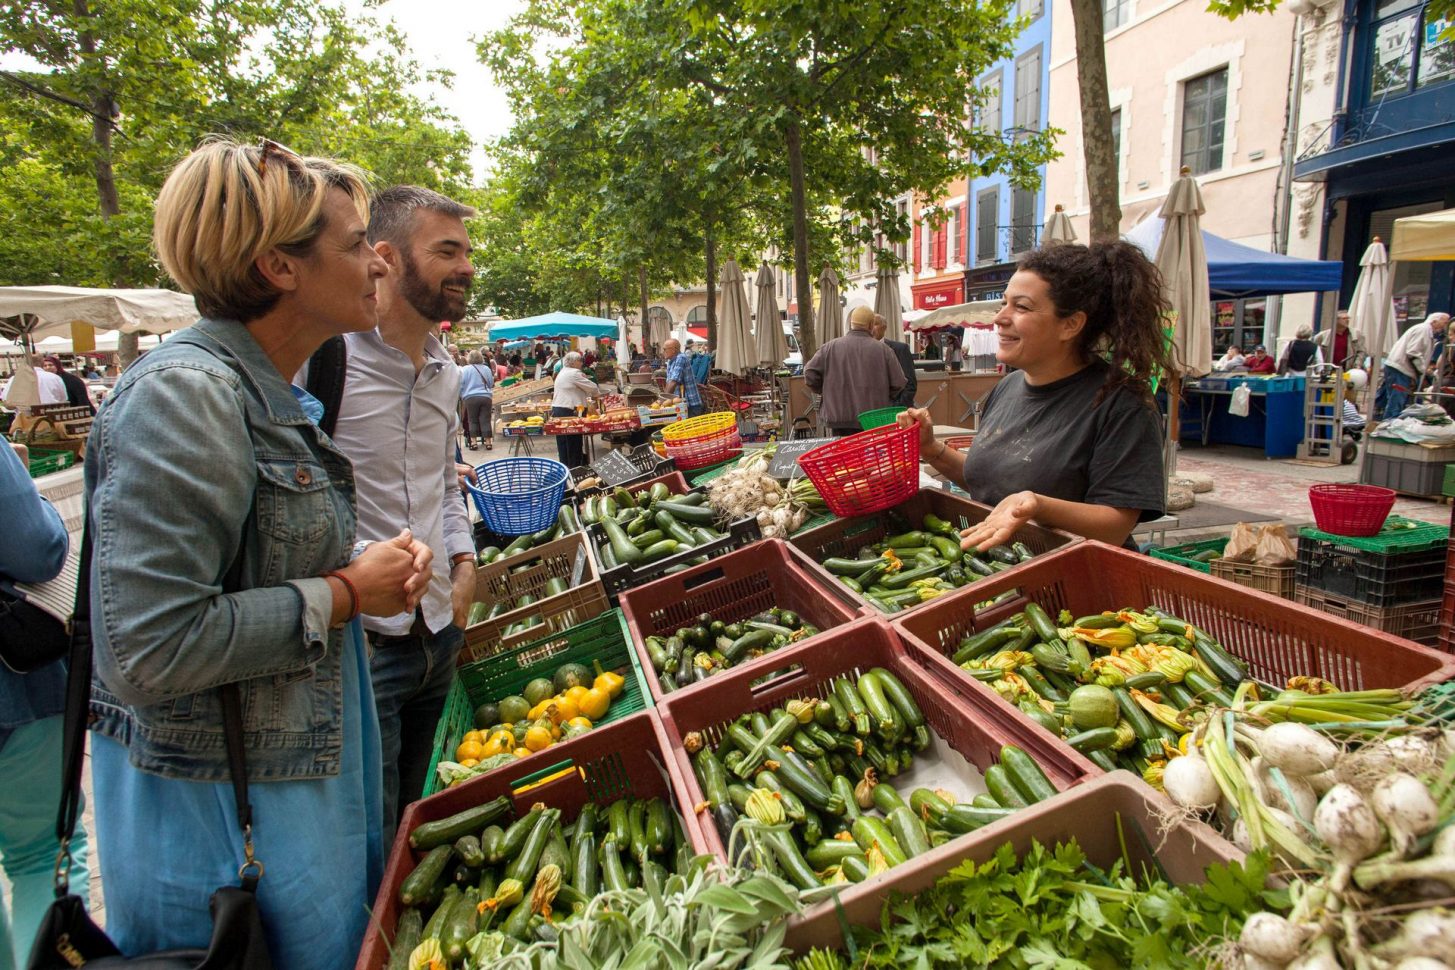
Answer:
x=1375 y=578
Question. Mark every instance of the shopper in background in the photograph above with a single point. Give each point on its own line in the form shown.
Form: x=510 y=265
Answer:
x=1071 y=438
x=854 y=373
x=1411 y=358
x=1232 y=359
x=1260 y=361
x=397 y=422
x=1342 y=346
x=206 y=469
x=1301 y=353
x=573 y=389
x=477 y=391
x=76 y=394
x=31 y=721
x=905 y=397
x=52 y=388
x=682 y=377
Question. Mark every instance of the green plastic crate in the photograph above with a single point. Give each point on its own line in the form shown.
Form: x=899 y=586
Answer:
x=1449 y=486
x=605 y=639
x=704 y=475
x=813 y=522
x=879 y=418
x=1398 y=535
x=1182 y=555
x=44 y=461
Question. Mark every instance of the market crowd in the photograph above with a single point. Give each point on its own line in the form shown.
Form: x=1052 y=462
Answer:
x=272 y=502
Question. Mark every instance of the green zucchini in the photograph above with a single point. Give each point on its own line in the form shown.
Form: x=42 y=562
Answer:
x=960 y=819
x=460 y=926
x=517 y=833
x=447 y=830
x=622 y=547
x=660 y=549
x=1040 y=622
x=853 y=703
x=887 y=798
x=999 y=784
x=467 y=847
x=690 y=514
x=886 y=719
x=869 y=831
x=909 y=831
x=1026 y=775
x=831 y=852
x=586 y=876
x=422 y=885
x=613 y=873
x=798 y=776
x=1094 y=740
x=436 y=923
x=406 y=937
x=523 y=867
x=900 y=697
x=791 y=861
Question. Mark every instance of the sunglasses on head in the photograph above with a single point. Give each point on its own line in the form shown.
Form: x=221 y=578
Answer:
x=267 y=146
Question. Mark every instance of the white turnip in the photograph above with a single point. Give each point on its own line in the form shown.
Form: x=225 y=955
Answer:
x=1270 y=937
x=1297 y=750
x=1349 y=828
x=1189 y=782
x=1406 y=808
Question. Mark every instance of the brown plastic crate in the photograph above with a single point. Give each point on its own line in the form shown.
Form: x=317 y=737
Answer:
x=843 y=537
x=1088 y=813
x=973 y=727
x=1278 y=638
x=733 y=587
x=629 y=757
x=620 y=578
x=506 y=581
x=674 y=480
x=1276 y=580
x=1418 y=621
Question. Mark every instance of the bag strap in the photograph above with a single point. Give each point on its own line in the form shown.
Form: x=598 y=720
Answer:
x=78 y=706
x=327 y=369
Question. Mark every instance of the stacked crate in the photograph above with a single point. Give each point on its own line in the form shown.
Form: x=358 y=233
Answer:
x=1391 y=581
x=1447 y=605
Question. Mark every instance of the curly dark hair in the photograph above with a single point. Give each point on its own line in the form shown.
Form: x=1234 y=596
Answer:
x=1120 y=291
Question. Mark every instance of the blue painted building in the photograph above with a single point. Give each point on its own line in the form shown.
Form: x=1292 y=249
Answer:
x=1002 y=220
x=1390 y=147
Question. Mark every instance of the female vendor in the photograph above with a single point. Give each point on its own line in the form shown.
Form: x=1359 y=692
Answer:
x=1071 y=436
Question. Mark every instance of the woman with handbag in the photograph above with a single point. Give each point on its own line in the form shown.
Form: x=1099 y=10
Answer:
x=222 y=521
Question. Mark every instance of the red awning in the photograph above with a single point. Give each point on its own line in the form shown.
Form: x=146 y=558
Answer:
x=939 y=293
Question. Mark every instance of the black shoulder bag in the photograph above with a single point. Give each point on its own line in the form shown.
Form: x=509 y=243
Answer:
x=67 y=937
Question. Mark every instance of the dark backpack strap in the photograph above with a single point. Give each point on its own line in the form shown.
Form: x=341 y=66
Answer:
x=327 y=369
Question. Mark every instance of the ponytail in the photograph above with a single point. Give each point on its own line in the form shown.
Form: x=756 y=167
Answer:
x=1120 y=291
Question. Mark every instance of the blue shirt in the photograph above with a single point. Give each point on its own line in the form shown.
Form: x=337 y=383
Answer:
x=680 y=372
x=477 y=380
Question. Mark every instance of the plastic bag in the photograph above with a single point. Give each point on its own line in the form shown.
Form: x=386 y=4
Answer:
x=1242 y=398
x=1274 y=547
x=1242 y=544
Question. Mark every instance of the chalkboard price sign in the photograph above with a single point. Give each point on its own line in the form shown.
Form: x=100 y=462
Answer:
x=615 y=467
x=785 y=458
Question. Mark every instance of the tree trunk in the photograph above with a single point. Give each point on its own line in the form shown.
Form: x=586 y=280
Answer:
x=646 y=301
x=1096 y=140
x=793 y=137
x=711 y=259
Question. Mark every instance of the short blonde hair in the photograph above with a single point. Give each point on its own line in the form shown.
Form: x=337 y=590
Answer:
x=226 y=204
x=1304 y=332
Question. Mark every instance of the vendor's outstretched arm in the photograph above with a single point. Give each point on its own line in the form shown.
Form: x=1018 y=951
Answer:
x=1102 y=522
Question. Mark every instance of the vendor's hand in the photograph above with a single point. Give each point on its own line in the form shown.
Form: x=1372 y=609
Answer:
x=385 y=576
x=920 y=416
x=466 y=474
x=1001 y=525
x=462 y=590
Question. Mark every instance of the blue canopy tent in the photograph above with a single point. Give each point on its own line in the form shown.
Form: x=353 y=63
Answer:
x=548 y=325
x=1235 y=270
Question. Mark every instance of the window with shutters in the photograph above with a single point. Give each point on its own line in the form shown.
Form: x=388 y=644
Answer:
x=1028 y=91
x=952 y=234
x=1204 y=115
x=1116 y=144
x=937 y=258
x=1115 y=13
x=989 y=118
x=1028 y=8
x=987 y=209
x=1022 y=220
x=926 y=237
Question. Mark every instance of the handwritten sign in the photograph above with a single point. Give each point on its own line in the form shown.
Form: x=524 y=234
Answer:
x=615 y=467
x=785 y=458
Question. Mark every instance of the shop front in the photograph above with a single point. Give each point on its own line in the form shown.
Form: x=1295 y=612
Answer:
x=931 y=295
x=987 y=282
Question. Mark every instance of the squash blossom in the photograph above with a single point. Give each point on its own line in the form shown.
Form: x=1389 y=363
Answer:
x=1113 y=670
x=429 y=955
x=1112 y=638
x=765 y=806
x=1013 y=688
x=1167 y=661
x=548 y=883
x=1139 y=622
x=1152 y=774
x=1126 y=736
x=1312 y=685
x=1164 y=713
x=895 y=563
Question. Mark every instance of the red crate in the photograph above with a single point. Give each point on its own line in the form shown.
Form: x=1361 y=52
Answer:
x=628 y=757
x=1098 y=815
x=733 y=587
x=843 y=537
x=1279 y=639
x=975 y=728
x=675 y=482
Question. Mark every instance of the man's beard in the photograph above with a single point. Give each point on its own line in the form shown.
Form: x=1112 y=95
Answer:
x=432 y=303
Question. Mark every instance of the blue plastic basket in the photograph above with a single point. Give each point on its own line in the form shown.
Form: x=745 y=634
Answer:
x=519 y=495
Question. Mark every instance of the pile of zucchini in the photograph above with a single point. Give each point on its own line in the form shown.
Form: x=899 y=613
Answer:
x=1121 y=687
x=821 y=766
x=913 y=567
x=645 y=527
x=479 y=875
x=567 y=523
x=694 y=653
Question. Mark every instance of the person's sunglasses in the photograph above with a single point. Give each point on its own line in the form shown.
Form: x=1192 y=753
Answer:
x=267 y=146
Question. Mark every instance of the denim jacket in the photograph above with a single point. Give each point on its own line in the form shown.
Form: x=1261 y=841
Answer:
x=201 y=454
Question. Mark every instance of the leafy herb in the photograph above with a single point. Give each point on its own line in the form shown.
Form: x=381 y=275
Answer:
x=1053 y=910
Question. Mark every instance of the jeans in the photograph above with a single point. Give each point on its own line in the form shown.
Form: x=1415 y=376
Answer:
x=693 y=410
x=477 y=414
x=411 y=675
x=30 y=763
x=1393 y=395
x=570 y=449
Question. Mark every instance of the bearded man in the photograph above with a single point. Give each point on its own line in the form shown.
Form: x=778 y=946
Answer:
x=396 y=417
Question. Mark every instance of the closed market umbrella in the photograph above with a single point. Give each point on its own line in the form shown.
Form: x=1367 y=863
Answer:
x=771 y=342
x=733 y=353
x=886 y=302
x=830 y=314
x=1058 y=228
x=1371 y=311
x=1183 y=264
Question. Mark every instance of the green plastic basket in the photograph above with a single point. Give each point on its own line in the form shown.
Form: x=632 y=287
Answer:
x=878 y=418
x=1398 y=535
x=704 y=475
x=605 y=639
x=1182 y=555
x=44 y=461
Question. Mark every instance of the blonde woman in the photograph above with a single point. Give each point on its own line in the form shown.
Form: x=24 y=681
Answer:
x=206 y=463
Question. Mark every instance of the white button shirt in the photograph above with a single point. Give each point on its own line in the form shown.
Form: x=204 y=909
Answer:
x=1411 y=353
x=399 y=431
x=573 y=389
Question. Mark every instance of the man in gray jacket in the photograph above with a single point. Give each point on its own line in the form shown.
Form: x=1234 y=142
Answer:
x=854 y=373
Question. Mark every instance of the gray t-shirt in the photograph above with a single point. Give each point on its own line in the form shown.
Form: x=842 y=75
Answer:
x=1057 y=440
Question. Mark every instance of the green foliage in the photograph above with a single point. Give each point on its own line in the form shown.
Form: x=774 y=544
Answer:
x=167 y=73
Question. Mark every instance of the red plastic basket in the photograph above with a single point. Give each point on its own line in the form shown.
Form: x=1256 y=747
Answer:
x=1351 y=510
x=704 y=440
x=866 y=472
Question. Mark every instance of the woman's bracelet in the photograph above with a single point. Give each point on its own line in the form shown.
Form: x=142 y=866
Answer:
x=351 y=590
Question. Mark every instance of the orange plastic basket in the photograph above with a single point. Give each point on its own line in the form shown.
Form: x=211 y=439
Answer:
x=866 y=472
